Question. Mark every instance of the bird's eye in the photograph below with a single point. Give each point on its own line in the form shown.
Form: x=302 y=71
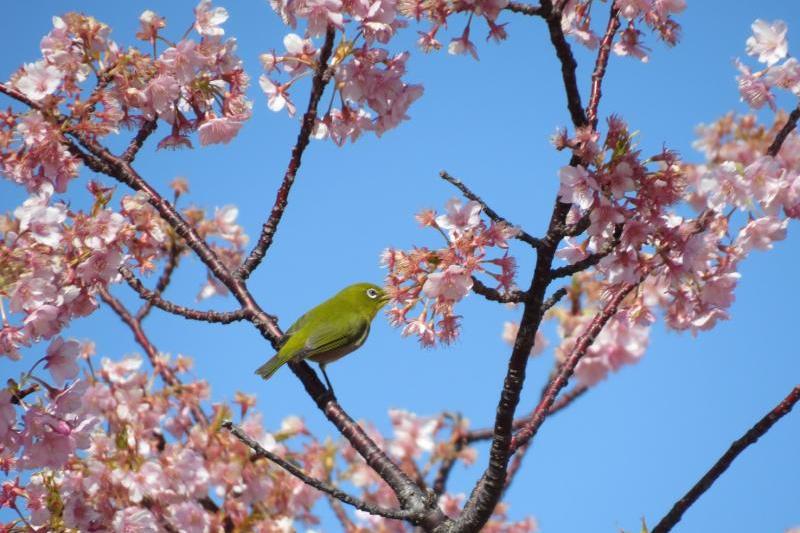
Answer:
x=372 y=293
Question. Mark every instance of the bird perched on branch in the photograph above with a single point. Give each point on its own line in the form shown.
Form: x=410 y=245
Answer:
x=331 y=330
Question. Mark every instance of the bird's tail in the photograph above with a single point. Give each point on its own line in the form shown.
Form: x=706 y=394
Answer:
x=267 y=369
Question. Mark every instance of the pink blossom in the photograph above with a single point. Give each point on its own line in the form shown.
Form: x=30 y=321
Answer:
x=277 y=95
x=217 y=130
x=62 y=359
x=134 y=520
x=753 y=88
x=183 y=61
x=41 y=220
x=630 y=44
x=150 y=23
x=207 y=20
x=768 y=41
x=162 y=94
x=189 y=517
x=320 y=13
x=148 y=480
x=577 y=186
x=451 y=285
x=39 y=80
x=572 y=251
x=8 y=415
x=463 y=45
x=761 y=233
x=460 y=218
x=423 y=329
x=413 y=434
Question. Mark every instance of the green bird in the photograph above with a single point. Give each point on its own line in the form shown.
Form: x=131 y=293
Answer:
x=331 y=330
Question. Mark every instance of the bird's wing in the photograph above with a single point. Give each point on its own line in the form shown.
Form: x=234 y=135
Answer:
x=343 y=330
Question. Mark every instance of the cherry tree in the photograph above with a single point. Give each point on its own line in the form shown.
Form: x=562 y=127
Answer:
x=136 y=443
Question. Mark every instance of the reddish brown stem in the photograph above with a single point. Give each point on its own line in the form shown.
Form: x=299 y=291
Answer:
x=321 y=77
x=528 y=431
x=601 y=63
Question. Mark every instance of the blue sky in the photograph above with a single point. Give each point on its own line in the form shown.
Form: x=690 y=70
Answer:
x=634 y=443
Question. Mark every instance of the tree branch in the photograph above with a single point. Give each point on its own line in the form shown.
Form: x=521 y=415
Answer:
x=478 y=287
x=322 y=486
x=753 y=434
x=601 y=63
x=528 y=431
x=153 y=298
x=321 y=77
x=163 y=280
x=491 y=213
x=525 y=9
x=791 y=124
x=137 y=142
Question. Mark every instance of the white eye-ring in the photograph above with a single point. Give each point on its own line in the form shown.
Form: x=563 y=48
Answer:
x=372 y=293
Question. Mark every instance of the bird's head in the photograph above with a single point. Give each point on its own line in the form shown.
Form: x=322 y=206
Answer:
x=366 y=297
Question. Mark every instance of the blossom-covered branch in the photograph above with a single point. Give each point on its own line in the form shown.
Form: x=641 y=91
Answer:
x=491 y=213
x=260 y=451
x=751 y=437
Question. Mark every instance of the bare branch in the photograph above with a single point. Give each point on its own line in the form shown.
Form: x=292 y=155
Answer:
x=478 y=287
x=191 y=314
x=525 y=9
x=321 y=77
x=491 y=213
x=163 y=280
x=137 y=142
x=753 y=434
x=554 y=299
x=397 y=514
x=791 y=124
x=601 y=63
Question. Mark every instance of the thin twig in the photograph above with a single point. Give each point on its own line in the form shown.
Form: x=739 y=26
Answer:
x=397 y=514
x=554 y=298
x=753 y=434
x=137 y=142
x=563 y=401
x=601 y=64
x=321 y=77
x=152 y=297
x=590 y=260
x=491 y=213
x=478 y=287
x=525 y=9
x=163 y=281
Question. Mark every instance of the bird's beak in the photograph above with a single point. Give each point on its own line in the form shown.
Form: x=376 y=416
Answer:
x=385 y=298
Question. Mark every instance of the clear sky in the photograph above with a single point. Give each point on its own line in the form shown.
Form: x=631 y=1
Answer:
x=637 y=441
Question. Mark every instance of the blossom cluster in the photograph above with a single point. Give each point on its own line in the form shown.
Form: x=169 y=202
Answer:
x=437 y=279
x=55 y=259
x=655 y=14
x=193 y=85
x=367 y=77
x=771 y=48
x=161 y=461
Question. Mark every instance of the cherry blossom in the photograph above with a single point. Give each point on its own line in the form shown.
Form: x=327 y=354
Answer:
x=768 y=41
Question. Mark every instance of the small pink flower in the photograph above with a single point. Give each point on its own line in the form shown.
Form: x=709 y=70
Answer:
x=218 y=130
x=577 y=186
x=463 y=45
x=39 y=80
x=761 y=233
x=451 y=285
x=150 y=23
x=207 y=20
x=134 y=520
x=460 y=218
x=768 y=41
x=62 y=359
x=277 y=95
